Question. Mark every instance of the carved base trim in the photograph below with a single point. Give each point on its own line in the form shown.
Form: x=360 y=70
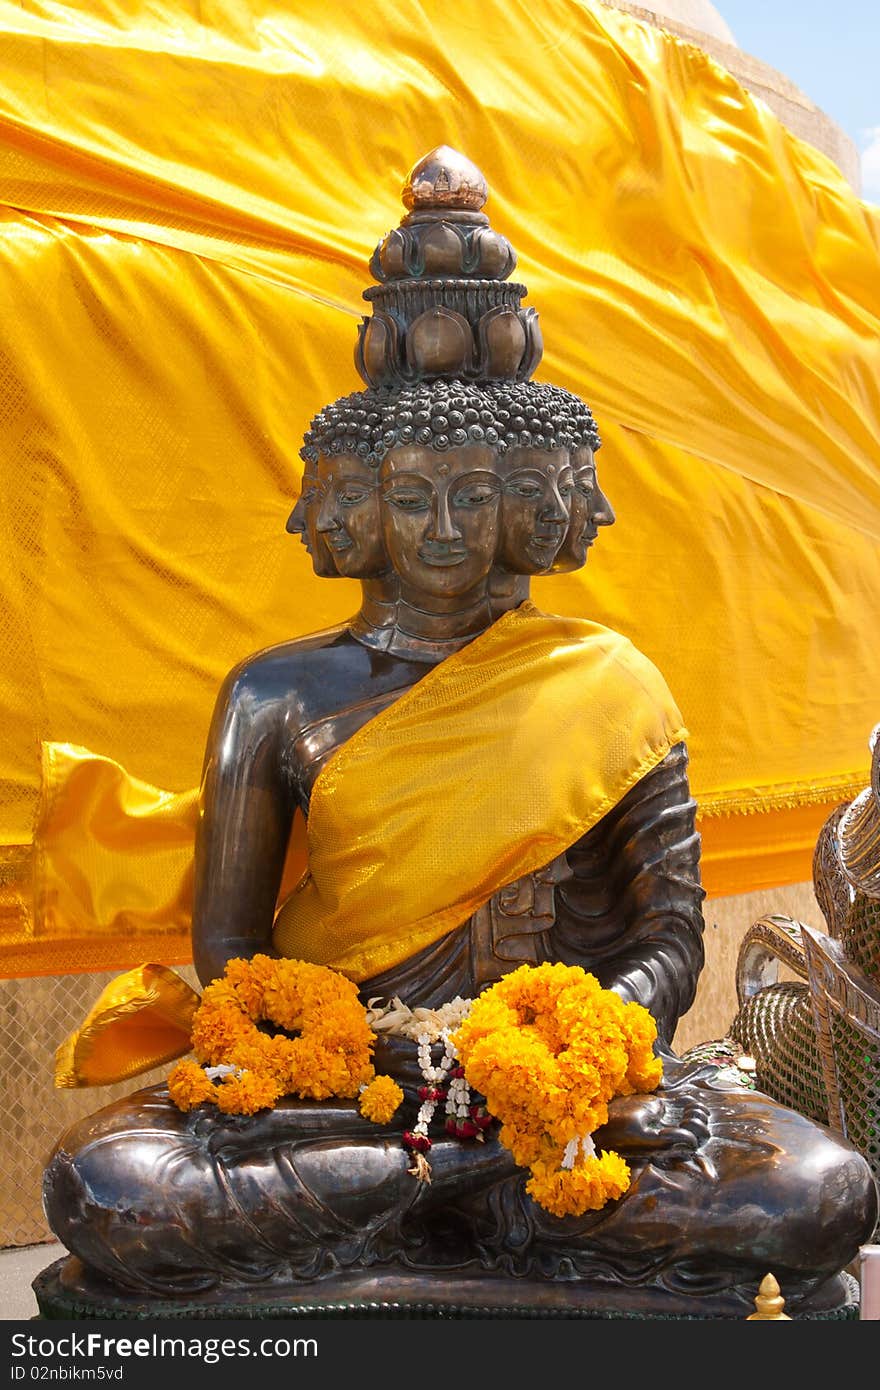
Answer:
x=67 y=1290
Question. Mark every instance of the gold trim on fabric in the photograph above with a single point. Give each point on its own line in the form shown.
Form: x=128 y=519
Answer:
x=780 y=798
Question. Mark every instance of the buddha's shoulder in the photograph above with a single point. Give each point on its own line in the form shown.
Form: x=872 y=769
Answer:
x=307 y=677
x=294 y=654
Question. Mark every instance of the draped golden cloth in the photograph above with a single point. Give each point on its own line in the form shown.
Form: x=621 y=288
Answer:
x=532 y=733
x=494 y=763
x=189 y=195
x=140 y=1020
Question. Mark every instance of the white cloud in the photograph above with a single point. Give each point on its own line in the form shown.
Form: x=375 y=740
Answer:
x=871 y=164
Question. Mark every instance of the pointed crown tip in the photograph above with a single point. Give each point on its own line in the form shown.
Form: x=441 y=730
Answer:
x=444 y=178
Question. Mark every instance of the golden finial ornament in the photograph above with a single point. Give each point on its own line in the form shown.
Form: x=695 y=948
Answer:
x=444 y=305
x=443 y=178
x=769 y=1303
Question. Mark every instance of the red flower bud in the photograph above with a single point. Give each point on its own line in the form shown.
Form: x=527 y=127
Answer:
x=457 y=1072
x=431 y=1093
x=419 y=1143
x=466 y=1129
x=480 y=1116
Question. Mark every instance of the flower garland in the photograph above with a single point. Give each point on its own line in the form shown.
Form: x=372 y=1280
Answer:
x=444 y=1081
x=331 y=1056
x=549 y=1048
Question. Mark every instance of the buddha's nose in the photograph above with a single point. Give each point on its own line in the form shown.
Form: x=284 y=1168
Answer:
x=554 y=508
x=296 y=522
x=601 y=510
x=326 y=520
x=443 y=527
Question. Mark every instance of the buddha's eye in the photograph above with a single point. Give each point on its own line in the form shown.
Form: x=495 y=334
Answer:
x=530 y=491
x=586 y=484
x=565 y=490
x=475 y=496
x=351 y=496
x=408 y=501
x=307 y=496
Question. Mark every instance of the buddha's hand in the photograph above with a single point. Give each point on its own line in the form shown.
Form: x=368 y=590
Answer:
x=642 y=1125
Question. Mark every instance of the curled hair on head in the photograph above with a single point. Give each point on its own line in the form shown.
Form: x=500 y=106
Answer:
x=446 y=414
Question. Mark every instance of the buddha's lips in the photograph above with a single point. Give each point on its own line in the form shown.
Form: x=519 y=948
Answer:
x=443 y=557
x=548 y=542
x=339 y=541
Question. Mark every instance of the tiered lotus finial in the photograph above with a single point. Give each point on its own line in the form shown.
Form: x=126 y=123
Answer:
x=444 y=306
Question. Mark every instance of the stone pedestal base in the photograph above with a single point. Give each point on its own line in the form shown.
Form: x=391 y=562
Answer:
x=67 y=1290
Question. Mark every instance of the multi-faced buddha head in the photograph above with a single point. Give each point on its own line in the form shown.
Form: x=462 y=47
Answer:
x=439 y=482
x=453 y=474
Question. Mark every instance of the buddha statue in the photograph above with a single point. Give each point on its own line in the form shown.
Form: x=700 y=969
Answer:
x=485 y=786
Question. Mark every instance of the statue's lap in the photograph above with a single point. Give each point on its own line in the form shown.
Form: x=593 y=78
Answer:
x=164 y=1202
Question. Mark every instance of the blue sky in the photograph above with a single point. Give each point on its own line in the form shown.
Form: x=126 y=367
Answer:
x=831 y=50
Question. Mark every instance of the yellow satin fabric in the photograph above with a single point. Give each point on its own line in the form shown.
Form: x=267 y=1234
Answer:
x=189 y=196
x=113 y=872
x=86 y=877
x=113 y=866
x=92 y=813
x=497 y=760
x=140 y=1020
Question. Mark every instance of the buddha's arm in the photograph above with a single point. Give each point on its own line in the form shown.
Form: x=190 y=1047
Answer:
x=632 y=911
x=245 y=818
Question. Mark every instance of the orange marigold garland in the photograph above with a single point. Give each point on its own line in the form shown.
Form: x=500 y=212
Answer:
x=331 y=1056
x=549 y=1048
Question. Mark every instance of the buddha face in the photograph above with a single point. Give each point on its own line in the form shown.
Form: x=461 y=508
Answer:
x=535 y=506
x=347 y=519
x=440 y=517
x=590 y=509
x=301 y=522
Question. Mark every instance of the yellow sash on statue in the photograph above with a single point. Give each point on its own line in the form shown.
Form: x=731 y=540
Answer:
x=499 y=759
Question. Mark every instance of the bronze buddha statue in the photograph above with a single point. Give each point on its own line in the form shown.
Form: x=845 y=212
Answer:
x=443 y=486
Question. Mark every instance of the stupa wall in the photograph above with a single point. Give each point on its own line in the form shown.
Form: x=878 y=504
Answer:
x=793 y=107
